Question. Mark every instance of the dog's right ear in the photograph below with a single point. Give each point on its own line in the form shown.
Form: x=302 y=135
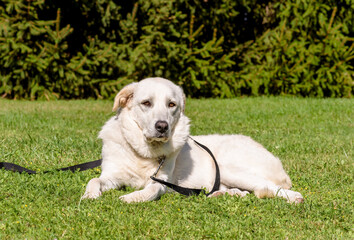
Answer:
x=124 y=96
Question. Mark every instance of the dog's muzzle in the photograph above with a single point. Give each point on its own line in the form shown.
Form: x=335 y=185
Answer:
x=161 y=132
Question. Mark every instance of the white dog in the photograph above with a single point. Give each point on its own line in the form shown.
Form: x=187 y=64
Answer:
x=150 y=123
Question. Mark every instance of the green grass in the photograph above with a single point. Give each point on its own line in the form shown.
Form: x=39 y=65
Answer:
x=313 y=137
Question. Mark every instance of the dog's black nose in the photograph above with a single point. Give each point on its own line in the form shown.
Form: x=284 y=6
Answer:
x=161 y=126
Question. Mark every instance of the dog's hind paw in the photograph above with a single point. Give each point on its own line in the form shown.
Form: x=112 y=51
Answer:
x=295 y=197
x=299 y=200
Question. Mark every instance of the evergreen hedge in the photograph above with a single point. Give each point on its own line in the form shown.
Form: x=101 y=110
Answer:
x=223 y=48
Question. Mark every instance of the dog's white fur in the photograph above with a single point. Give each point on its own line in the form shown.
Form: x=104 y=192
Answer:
x=132 y=145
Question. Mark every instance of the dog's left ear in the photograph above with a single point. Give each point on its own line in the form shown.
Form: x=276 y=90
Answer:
x=124 y=96
x=183 y=99
x=184 y=103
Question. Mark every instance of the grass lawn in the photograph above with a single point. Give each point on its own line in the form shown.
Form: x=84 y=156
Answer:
x=312 y=137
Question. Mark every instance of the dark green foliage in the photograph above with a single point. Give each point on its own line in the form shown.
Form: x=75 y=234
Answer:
x=309 y=53
x=224 y=48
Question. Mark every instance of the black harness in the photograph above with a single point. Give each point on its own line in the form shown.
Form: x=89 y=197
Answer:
x=93 y=164
x=191 y=191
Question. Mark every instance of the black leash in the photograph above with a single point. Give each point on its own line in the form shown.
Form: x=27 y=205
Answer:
x=79 y=167
x=89 y=165
x=191 y=191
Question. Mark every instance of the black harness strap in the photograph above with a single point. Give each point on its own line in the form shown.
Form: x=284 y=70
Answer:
x=192 y=191
x=89 y=165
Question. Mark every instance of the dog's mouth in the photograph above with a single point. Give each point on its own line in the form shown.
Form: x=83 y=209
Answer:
x=159 y=138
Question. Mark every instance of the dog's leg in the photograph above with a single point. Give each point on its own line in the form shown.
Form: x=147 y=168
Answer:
x=96 y=186
x=261 y=187
x=151 y=192
x=231 y=192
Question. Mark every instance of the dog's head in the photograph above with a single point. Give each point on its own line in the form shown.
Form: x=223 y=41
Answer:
x=155 y=104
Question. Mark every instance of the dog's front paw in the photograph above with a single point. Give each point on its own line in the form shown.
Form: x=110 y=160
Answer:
x=231 y=192
x=91 y=195
x=93 y=189
x=139 y=196
x=132 y=197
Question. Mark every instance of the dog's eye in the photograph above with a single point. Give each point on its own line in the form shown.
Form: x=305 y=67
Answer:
x=146 y=103
x=171 y=104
